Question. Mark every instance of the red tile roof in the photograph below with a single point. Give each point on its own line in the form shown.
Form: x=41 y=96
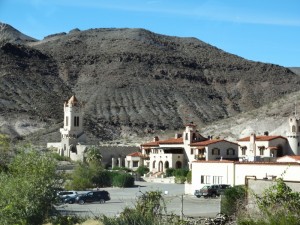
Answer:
x=261 y=138
x=168 y=141
x=172 y=141
x=151 y=144
x=135 y=154
x=209 y=142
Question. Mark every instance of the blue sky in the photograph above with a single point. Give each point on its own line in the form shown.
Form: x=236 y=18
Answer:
x=259 y=30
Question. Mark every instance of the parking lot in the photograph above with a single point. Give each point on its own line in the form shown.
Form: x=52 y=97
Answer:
x=176 y=202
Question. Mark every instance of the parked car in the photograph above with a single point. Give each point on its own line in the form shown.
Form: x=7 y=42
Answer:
x=71 y=199
x=93 y=196
x=211 y=190
x=64 y=194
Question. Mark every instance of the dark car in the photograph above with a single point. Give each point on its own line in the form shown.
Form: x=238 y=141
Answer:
x=93 y=196
x=211 y=190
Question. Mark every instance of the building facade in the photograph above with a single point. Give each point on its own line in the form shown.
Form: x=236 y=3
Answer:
x=181 y=151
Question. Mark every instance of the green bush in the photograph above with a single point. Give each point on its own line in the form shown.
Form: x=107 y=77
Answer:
x=180 y=172
x=233 y=199
x=59 y=157
x=180 y=179
x=141 y=170
x=123 y=180
x=189 y=177
x=169 y=172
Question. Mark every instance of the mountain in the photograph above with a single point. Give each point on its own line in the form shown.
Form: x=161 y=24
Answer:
x=133 y=82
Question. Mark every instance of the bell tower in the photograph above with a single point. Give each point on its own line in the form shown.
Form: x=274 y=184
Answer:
x=293 y=134
x=72 y=132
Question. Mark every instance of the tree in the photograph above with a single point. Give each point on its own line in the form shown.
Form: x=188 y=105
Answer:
x=141 y=170
x=28 y=188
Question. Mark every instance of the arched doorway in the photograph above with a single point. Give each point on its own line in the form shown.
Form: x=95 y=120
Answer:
x=160 y=166
x=178 y=165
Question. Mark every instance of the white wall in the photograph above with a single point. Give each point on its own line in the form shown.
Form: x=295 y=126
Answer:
x=234 y=173
x=212 y=169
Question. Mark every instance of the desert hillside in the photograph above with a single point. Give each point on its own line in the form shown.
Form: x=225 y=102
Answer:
x=134 y=84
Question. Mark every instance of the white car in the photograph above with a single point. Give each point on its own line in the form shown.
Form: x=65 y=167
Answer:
x=64 y=194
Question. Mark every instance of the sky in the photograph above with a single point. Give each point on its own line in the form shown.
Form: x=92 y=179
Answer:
x=259 y=30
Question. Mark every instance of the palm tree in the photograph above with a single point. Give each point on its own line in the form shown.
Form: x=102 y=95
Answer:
x=93 y=155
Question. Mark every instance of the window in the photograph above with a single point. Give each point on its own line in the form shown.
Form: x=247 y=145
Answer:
x=67 y=121
x=135 y=163
x=205 y=179
x=293 y=129
x=215 y=151
x=192 y=151
x=261 y=151
x=244 y=150
x=217 y=180
x=186 y=136
x=230 y=151
x=76 y=121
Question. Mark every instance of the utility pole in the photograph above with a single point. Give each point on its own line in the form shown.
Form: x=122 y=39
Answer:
x=181 y=207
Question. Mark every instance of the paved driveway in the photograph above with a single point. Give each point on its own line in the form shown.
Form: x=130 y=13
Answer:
x=176 y=201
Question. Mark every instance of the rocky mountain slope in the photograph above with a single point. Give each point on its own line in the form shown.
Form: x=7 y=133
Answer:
x=134 y=83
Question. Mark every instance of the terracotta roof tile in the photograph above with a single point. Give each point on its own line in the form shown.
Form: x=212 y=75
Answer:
x=172 y=141
x=135 y=154
x=261 y=138
x=209 y=142
x=151 y=144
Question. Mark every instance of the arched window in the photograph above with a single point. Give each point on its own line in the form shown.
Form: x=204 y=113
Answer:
x=215 y=151
x=293 y=128
x=153 y=165
x=230 y=151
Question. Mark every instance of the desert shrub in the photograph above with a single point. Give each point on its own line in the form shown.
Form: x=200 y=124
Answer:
x=123 y=180
x=233 y=199
x=59 y=157
x=277 y=205
x=65 y=220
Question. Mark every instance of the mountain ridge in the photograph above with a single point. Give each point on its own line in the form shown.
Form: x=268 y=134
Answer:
x=133 y=82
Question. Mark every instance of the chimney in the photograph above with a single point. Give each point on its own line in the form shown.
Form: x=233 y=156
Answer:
x=156 y=138
x=266 y=133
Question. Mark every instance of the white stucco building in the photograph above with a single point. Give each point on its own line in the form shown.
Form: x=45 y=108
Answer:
x=181 y=151
x=262 y=148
